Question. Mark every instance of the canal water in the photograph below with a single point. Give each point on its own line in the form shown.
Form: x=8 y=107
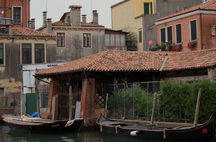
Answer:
x=6 y=135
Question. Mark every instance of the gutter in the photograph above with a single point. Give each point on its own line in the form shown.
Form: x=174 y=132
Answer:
x=164 y=62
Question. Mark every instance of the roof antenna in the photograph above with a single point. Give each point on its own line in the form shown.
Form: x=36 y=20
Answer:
x=46 y=4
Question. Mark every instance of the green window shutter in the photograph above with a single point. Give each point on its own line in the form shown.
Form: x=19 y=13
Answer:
x=146 y=8
x=1 y=51
x=151 y=8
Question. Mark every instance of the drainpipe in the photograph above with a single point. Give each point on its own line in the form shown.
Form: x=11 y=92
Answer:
x=27 y=12
x=201 y=31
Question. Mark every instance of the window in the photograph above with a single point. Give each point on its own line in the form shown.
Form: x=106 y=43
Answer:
x=193 y=29
x=1 y=91
x=44 y=100
x=140 y=36
x=26 y=54
x=17 y=15
x=1 y=54
x=60 y=39
x=117 y=39
x=163 y=35
x=39 y=53
x=147 y=8
x=122 y=40
x=107 y=40
x=178 y=34
x=86 y=40
x=169 y=34
x=114 y=40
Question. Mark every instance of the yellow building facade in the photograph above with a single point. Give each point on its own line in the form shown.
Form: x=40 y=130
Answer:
x=127 y=16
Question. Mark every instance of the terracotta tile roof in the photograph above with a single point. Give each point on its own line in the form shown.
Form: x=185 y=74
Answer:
x=61 y=23
x=190 y=60
x=210 y=5
x=111 y=61
x=23 y=31
x=90 y=25
x=136 y=61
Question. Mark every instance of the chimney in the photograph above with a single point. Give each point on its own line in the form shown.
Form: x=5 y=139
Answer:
x=33 y=23
x=49 y=25
x=84 y=18
x=44 y=18
x=75 y=15
x=95 y=17
x=29 y=24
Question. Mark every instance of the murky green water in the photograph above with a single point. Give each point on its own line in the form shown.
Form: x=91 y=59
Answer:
x=6 y=135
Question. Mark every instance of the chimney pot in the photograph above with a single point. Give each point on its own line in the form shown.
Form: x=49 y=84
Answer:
x=44 y=17
x=95 y=17
x=33 y=23
x=49 y=25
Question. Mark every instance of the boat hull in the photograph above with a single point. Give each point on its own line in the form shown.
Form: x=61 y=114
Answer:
x=205 y=131
x=41 y=125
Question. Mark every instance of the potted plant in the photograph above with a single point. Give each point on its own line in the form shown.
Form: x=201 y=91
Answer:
x=177 y=47
x=192 y=44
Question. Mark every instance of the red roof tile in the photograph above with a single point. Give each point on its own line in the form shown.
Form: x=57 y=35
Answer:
x=111 y=61
x=190 y=60
x=210 y=5
x=61 y=23
x=23 y=31
x=136 y=61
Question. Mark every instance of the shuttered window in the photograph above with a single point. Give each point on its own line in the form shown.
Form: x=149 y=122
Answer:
x=39 y=53
x=17 y=15
x=26 y=54
x=193 y=27
x=178 y=33
x=169 y=34
x=163 y=35
x=1 y=54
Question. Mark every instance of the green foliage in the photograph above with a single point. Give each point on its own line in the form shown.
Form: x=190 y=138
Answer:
x=178 y=100
x=143 y=102
x=121 y=102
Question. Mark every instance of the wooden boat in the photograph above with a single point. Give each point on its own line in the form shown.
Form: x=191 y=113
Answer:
x=158 y=131
x=42 y=125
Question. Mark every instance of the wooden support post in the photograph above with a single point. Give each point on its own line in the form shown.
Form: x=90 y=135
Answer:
x=38 y=103
x=70 y=102
x=197 y=107
x=53 y=107
x=154 y=107
x=105 y=113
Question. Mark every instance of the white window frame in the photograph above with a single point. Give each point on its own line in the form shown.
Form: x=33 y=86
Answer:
x=21 y=13
x=190 y=30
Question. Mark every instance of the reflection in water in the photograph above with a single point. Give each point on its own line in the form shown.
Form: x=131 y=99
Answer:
x=6 y=135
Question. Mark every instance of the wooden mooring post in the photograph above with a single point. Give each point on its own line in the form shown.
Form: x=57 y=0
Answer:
x=154 y=107
x=70 y=102
x=197 y=107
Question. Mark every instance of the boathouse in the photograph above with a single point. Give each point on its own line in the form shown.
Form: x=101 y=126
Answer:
x=77 y=88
